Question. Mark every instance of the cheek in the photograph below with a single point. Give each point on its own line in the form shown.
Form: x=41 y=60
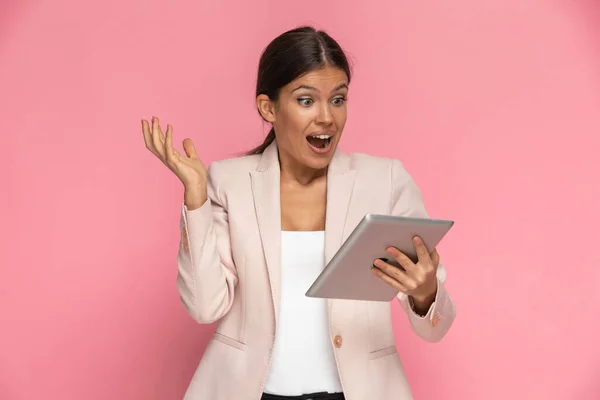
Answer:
x=340 y=114
x=296 y=121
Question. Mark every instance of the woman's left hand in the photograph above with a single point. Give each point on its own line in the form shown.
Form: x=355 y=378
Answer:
x=418 y=281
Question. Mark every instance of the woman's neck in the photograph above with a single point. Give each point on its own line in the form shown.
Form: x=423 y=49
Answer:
x=294 y=172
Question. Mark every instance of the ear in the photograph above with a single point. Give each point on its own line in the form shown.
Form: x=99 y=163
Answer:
x=266 y=107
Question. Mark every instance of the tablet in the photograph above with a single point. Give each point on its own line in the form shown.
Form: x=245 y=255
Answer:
x=348 y=275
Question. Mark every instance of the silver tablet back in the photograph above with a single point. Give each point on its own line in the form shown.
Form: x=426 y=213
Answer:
x=348 y=274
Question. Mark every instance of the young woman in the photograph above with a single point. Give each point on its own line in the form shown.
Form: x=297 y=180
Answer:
x=256 y=231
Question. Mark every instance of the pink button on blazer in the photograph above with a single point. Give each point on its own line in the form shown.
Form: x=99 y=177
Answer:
x=229 y=271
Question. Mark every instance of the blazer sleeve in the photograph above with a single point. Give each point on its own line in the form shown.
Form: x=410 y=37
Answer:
x=407 y=201
x=207 y=276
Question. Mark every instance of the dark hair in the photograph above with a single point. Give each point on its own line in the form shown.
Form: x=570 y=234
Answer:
x=290 y=55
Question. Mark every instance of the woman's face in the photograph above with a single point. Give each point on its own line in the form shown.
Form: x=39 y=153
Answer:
x=309 y=118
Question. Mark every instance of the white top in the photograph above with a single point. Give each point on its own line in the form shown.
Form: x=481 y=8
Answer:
x=302 y=360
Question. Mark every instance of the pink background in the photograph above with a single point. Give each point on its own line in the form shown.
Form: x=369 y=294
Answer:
x=493 y=106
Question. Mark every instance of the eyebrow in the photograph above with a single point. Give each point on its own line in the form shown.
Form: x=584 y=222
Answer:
x=338 y=87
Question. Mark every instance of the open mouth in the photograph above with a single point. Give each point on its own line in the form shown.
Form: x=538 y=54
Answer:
x=319 y=142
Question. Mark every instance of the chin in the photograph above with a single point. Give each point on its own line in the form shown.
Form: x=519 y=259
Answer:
x=318 y=161
x=317 y=164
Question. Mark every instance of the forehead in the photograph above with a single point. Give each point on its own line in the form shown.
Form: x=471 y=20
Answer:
x=323 y=79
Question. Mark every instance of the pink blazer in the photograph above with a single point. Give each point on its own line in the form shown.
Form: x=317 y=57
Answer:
x=229 y=271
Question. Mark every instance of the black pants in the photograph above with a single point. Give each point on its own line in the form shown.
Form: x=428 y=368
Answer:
x=312 y=396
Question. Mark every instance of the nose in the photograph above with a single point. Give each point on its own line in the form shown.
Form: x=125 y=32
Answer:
x=324 y=116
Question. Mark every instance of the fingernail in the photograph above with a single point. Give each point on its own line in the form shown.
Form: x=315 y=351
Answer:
x=416 y=239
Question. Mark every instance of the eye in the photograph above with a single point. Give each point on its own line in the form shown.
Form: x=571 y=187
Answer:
x=338 y=101
x=305 y=101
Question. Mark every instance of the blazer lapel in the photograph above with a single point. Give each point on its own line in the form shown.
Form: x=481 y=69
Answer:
x=340 y=182
x=266 y=193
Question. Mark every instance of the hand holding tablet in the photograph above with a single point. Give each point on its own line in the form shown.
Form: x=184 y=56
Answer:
x=353 y=272
x=418 y=280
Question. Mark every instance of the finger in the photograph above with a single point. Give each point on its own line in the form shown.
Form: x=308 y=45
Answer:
x=157 y=130
x=389 y=280
x=157 y=138
x=394 y=272
x=147 y=135
x=189 y=148
x=169 y=152
x=402 y=258
x=435 y=257
x=422 y=252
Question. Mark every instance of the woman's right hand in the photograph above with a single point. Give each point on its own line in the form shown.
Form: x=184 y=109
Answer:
x=188 y=168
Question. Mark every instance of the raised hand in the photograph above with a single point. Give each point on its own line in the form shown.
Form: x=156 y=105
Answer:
x=188 y=168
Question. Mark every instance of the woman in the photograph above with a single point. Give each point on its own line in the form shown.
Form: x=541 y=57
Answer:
x=256 y=230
